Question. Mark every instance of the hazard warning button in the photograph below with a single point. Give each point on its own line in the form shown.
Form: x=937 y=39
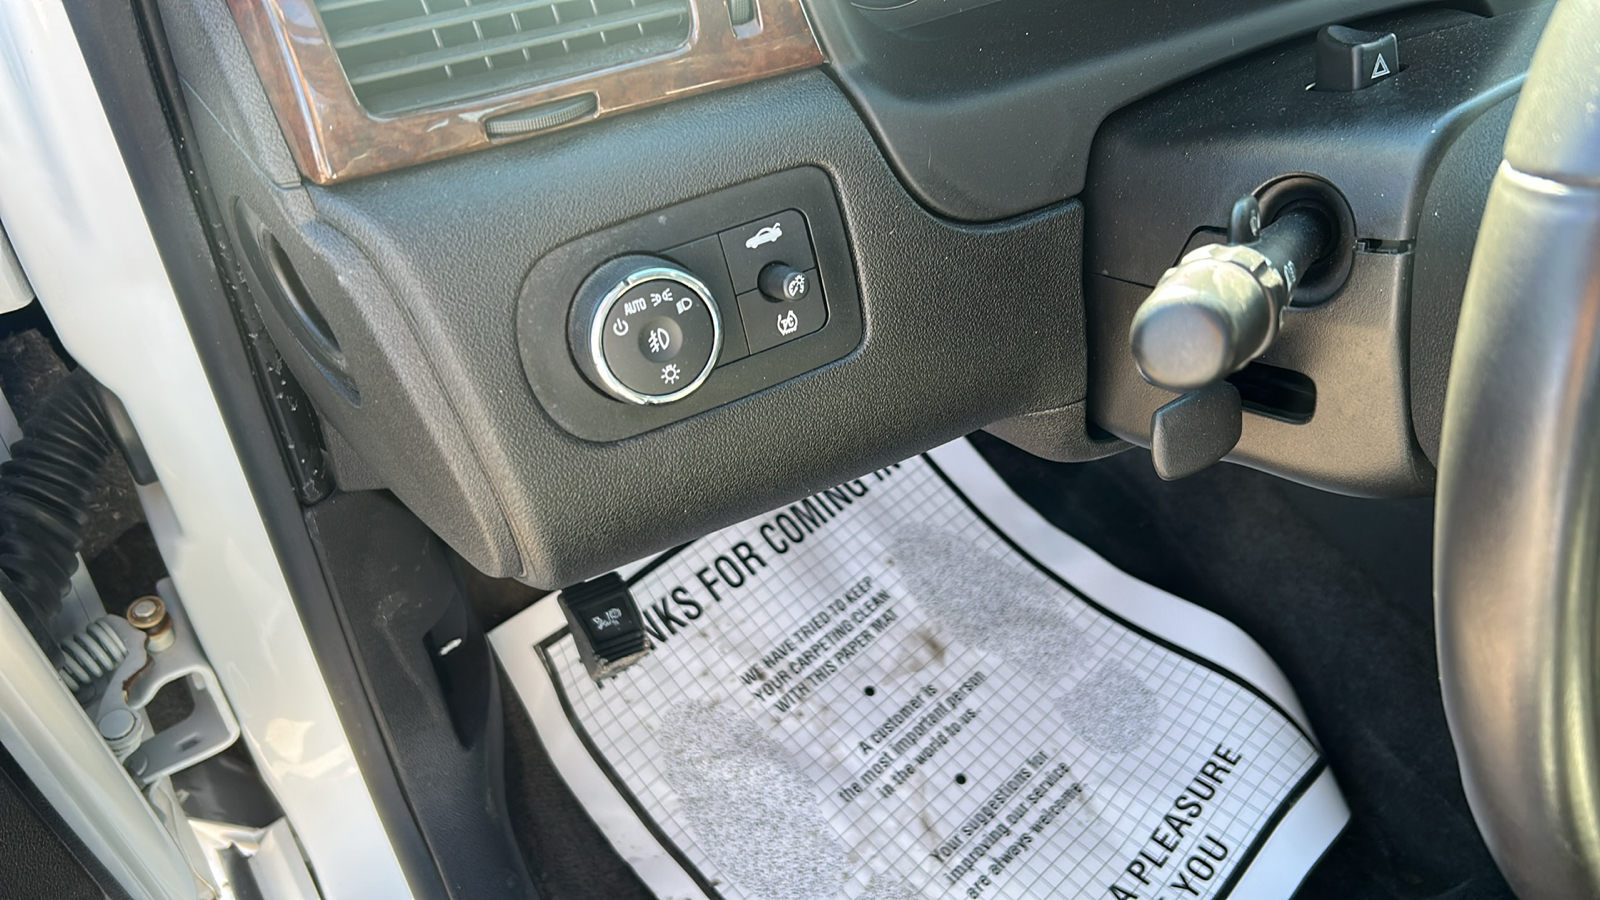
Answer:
x=1351 y=60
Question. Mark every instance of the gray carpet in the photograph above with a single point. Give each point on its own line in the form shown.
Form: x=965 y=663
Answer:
x=1338 y=591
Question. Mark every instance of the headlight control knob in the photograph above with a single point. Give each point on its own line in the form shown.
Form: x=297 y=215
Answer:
x=645 y=331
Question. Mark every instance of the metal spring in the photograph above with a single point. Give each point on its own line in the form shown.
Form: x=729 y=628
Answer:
x=92 y=653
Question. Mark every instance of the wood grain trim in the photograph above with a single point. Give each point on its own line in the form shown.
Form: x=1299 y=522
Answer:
x=334 y=139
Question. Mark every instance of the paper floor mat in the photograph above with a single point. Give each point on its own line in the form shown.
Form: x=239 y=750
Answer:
x=913 y=686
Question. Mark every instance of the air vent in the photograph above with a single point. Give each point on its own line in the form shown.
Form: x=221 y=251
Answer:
x=407 y=54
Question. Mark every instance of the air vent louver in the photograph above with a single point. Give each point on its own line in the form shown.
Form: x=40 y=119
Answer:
x=405 y=54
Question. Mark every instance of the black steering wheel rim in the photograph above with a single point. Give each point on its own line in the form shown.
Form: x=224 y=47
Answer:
x=1517 y=546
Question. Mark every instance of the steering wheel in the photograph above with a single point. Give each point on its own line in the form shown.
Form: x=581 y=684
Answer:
x=1517 y=546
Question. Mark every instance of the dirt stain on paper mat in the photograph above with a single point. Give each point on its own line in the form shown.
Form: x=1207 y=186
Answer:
x=753 y=811
x=985 y=602
x=1111 y=709
x=988 y=603
x=884 y=888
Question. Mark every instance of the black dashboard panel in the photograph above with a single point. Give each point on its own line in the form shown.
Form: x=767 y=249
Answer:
x=445 y=286
x=418 y=273
x=943 y=352
x=991 y=113
x=1177 y=161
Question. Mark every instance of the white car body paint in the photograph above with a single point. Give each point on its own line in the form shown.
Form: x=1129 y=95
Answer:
x=77 y=227
x=52 y=740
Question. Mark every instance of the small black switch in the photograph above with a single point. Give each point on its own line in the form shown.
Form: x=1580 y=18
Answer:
x=1351 y=60
x=781 y=281
x=768 y=324
x=779 y=237
x=605 y=625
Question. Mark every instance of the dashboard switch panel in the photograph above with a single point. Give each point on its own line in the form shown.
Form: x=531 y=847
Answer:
x=704 y=259
x=691 y=306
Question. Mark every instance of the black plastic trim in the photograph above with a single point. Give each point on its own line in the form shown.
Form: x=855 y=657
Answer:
x=1166 y=172
x=991 y=113
x=430 y=677
x=961 y=326
x=42 y=852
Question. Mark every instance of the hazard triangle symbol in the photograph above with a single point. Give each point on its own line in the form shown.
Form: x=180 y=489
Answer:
x=1380 y=68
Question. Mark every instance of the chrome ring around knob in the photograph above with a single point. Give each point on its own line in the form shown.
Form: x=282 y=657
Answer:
x=659 y=271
